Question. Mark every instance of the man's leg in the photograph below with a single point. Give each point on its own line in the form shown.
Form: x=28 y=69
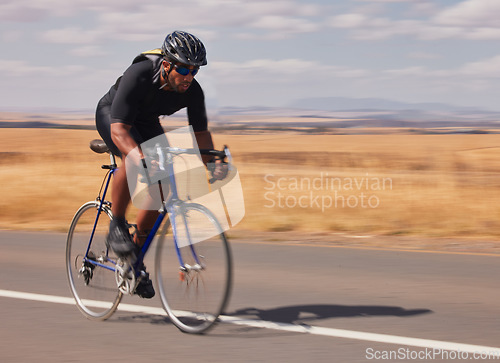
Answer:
x=120 y=195
x=145 y=222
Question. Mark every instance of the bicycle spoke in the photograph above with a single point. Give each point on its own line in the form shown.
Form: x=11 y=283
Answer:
x=194 y=294
x=91 y=278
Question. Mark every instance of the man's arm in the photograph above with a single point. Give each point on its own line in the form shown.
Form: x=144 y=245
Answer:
x=204 y=140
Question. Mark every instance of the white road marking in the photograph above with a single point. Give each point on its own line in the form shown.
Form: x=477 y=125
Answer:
x=330 y=332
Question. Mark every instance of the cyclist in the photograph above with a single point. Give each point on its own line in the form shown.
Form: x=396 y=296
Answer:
x=154 y=85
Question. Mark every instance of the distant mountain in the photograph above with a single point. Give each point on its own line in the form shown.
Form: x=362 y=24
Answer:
x=372 y=104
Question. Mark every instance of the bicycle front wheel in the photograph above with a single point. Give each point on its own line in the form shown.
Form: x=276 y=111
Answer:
x=194 y=272
x=90 y=265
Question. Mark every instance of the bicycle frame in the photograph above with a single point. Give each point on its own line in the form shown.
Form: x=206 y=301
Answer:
x=102 y=202
x=168 y=206
x=192 y=292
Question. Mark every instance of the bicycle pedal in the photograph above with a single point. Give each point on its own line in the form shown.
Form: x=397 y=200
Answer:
x=125 y=277
x=87 y=273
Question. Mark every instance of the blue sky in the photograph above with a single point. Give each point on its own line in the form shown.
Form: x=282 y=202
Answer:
x=66 y=54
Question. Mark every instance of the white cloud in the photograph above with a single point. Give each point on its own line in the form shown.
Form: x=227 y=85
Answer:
x=423 y=55
x=89 y=51
x=89 y=28
x=71 y=35
x=281 y=26
x=142 y=21
x=25 y=72
x=485 y=68
x=67 y=86
x=432 y=32
x=483 y=34
x=424 y=8
x=387 y=1
x=21 y=11
x=11 y=36
x=21 y=68
x=351 y=20
x=130 y=20
x=483 y=13
x=383 y=28
x=417 y=71
x=139 y=21
x=285 y=17
x=484 y=71
x=282 y=71
x=29 y=10
x=471 y=19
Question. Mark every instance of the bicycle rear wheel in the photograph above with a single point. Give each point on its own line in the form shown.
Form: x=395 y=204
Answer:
x=196 y=293
x=91 y=274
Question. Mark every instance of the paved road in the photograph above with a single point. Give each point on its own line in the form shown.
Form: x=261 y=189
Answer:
x=394 y=295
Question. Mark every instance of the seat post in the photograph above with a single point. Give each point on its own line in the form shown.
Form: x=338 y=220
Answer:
x=112 y=159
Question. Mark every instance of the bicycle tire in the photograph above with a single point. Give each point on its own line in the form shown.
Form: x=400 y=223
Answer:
x=194 y=300
x=93 y=285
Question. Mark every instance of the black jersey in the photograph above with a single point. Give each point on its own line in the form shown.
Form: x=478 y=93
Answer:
x=137 y=100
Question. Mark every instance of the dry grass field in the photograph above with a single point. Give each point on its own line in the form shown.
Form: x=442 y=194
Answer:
x=395 y=184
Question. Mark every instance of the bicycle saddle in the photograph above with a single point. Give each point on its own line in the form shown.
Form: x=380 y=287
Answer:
x=99 y=146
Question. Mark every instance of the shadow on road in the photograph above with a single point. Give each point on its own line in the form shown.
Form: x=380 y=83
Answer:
x=302 y=313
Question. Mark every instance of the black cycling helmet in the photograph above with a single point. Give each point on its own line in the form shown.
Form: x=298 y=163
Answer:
x=184 y=48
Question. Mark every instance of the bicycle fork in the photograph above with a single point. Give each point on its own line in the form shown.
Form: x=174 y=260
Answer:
x=184 y=268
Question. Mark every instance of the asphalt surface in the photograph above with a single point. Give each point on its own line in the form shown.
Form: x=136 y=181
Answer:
x=436 y=297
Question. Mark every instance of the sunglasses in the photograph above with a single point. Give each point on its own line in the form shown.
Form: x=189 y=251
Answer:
x=185 y=71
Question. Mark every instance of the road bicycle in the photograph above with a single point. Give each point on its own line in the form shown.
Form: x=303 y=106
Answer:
x=193 y=264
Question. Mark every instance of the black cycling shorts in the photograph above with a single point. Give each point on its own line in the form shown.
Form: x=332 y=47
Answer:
x=139 y=134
